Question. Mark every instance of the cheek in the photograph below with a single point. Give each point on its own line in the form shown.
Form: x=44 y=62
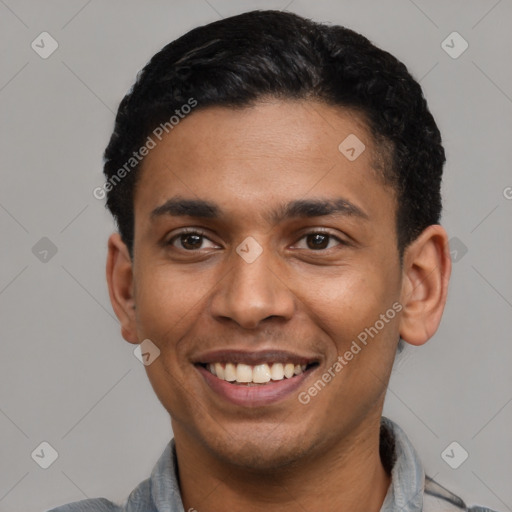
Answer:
x=348 y=309
x=345 y=303
x=167 y=301
x=167 y=306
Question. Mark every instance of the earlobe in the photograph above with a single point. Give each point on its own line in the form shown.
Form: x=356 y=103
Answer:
x=426 y=273
x=120 y=286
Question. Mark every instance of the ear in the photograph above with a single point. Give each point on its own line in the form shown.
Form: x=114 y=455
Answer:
x=426 y=272
x=120 y=286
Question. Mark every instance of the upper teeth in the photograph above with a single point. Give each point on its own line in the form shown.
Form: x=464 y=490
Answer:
x=258 y=374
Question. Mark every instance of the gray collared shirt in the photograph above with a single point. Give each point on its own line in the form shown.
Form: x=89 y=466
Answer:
x=410 y=490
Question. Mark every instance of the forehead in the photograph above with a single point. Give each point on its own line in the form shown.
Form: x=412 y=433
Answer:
x=290 y=129
x=274 y=148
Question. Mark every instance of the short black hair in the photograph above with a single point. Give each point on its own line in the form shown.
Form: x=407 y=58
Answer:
x=236 y=61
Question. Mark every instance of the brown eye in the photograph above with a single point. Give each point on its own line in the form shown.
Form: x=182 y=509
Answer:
x=318 y=240
x=189 y=241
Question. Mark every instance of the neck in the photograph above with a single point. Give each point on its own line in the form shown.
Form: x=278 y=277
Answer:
x=346 y=476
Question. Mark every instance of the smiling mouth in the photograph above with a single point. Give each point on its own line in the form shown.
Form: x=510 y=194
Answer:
x=256 y=375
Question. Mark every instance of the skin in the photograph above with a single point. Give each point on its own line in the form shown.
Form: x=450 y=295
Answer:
x=294 y=296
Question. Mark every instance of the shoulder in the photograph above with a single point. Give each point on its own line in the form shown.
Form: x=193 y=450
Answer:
x=439 y=499
x=138 y=501
x=90 y=505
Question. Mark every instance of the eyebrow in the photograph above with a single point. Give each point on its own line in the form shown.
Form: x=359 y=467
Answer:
x=199 y=208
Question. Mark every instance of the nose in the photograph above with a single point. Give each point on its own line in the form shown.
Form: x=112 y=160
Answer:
x=252 y=292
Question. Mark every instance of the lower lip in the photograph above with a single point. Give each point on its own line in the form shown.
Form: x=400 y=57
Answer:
x=254 y=396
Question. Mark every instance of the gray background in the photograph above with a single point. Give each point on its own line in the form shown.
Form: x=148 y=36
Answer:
x=67 y=376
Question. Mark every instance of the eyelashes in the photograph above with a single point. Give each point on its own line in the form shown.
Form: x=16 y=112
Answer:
x=194 y=238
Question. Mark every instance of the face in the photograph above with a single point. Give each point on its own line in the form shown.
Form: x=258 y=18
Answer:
x=258 y=242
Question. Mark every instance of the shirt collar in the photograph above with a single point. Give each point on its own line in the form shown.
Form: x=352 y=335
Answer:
x=405 y=493
x=165 y=490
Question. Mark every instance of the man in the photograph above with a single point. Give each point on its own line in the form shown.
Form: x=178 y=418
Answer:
x=276 y=185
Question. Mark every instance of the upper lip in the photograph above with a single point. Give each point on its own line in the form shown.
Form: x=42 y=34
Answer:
x=253 y=357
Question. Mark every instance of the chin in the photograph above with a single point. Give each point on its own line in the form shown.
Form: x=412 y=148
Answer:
x=265 y=451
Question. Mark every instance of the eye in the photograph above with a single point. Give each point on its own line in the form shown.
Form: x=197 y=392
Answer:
x=320 y=240
x=189 y=240
x=194 y=240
